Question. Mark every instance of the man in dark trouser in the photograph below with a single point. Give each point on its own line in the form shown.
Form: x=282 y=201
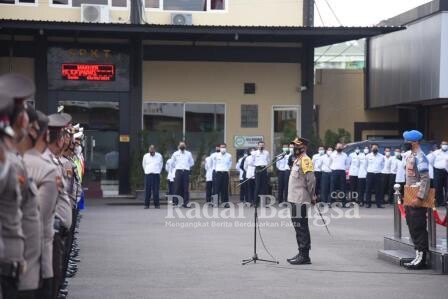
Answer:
x=260 y=160
x=222 y=162
x=301 y=193
x=374 y=166
x=283 y=174
x=339 y=164
x=152 y=166
x=152 y=186
x=439 y=160
x=417 y=171
x=182 y=162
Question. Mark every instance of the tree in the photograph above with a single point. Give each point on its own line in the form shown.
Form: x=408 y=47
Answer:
x=331 y=137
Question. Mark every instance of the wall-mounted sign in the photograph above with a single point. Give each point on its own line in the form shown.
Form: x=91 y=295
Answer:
x=89 y=72
x=125 y=138
x=246 y=141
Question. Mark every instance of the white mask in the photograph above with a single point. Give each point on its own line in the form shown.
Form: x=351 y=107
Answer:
x=329 y=152
x=321 y=152
x=387 y=154
x=357 y=150
x=366 y=151
x=223 y=150
x=444 y=147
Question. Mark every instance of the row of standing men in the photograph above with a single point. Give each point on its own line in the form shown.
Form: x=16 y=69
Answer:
x=41 y=169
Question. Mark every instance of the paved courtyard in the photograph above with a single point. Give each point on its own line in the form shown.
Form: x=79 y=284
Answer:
x=129 y=252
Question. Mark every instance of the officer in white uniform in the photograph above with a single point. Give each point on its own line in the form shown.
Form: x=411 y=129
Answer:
x=152 y=166
x=354 y=160
x=362 y=174
x=260 y=159
x=208 y=166
x=182 y=161
x=222 y=162
x=283 y=172
x=169 y=168
x=325 y=183
x=439 y=160
x=387 y=178
x=339 y=164
x=250 y=176
x=317 y=164
x=398 y=167
x=375 y=164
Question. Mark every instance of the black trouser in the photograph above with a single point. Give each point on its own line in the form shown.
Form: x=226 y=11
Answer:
x=318 y=176
x=416 y=221
x=325 y=185
x=222 y=186
x=250 y=190
x=182 y=182
x=441 y=185
x=213 y=182
x=46 y=290
x=208 y=191
x=361 y=190
x=9 y=287
x=152 y=186
x=261 y=183
x=28 y=294
x=387 y=186
x=353 y=184
x=170 y=187
x=337 y=183
x=373 y=182
x=243 y=191
x=283 y=181
x=300 y=222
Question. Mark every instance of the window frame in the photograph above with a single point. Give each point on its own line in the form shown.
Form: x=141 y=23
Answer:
x=184 y=127
x=274 y=108
x=69 y=5
x=241 y=116
x=16 y=2
x=209 y=10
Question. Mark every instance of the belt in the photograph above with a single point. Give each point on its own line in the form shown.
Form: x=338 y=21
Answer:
x=222 y=171
x=10 y=269
x=258 y=167
x=182 y=169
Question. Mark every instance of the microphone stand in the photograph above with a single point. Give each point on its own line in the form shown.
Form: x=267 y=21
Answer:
x=255 y=257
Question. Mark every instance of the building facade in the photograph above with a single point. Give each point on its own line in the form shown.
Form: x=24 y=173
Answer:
x=204 y=71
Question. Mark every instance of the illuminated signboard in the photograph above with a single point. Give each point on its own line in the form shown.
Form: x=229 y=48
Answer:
x=88 y=72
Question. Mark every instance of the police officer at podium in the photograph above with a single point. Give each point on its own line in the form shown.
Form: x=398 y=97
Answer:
x=417 y=171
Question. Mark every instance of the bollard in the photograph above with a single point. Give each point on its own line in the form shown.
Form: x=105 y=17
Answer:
x=397 y=214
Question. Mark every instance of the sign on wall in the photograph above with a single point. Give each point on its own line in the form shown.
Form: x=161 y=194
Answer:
x=89 y=72
x=246 y=141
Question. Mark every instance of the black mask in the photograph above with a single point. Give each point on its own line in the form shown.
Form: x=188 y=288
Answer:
x=261 y=148
x=182 y=147
x=375 y=150
x=339 y=150
x=217 y=150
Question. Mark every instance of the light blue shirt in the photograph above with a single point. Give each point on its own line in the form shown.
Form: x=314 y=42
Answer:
x=375 y=163
x=222 y=162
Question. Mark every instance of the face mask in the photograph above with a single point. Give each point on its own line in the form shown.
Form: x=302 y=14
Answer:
x=375 y=150
x=387 y=154
x=223 y=150
x=291 y=150
x=357 y=150
x=182 y=147
x=321 y=152
x=252 y=153
x=217 y=150
x=397 y=154
x=152 y=153
x=444 y=147
x=298 y=151
x=339 y=150
x=285 y=149
x=329 y=152
x=366 y=151
x=261 y=148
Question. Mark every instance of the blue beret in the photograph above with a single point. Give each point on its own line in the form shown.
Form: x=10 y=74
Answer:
x=413 y=135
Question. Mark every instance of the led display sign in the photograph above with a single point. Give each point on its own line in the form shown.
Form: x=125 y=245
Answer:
x=88 y=72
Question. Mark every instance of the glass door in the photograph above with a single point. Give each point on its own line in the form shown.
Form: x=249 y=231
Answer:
x=285 y=126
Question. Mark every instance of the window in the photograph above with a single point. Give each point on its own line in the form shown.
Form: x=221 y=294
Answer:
x=12 y=2
x=187 y=5
x=201 y=125
x=285 y=126
x=249 y=116
x=77 y=3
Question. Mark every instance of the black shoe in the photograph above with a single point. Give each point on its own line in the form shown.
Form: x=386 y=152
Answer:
x=302 y=259
x=157 y=207
x=418 y=263
x=368 y=206
x=186 y=206
x=380 y=207
x=293 y=258
x=146 y=207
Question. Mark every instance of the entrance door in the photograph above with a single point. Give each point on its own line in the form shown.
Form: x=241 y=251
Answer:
x=285 y=126
x=100 y=120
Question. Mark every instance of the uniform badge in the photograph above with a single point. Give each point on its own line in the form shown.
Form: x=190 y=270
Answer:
x=307 y=165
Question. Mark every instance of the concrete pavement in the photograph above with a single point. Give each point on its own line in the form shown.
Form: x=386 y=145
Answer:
x=129 y=252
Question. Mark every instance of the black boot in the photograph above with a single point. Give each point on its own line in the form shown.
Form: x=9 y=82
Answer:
x=302 y=259
x=293 y=258
x=418 y=263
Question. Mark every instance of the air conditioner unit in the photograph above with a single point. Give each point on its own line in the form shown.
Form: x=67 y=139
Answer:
x=91 y=13
x=181 y=19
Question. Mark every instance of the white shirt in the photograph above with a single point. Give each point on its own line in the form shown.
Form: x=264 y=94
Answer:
x=375 y=163
x=317 y=162
x=282 y=164
x=354 y=160
x=222 y=162
x=182 y=160
x=339 y=161
x=362 y=170
x=387 y=165
x=170 y=170
x=238 y=167
x=326 y=161
x=438 y=159
x=248 y=166
x=208 y=165
x=261 y=158
x=152 y=164
x=399 y=167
